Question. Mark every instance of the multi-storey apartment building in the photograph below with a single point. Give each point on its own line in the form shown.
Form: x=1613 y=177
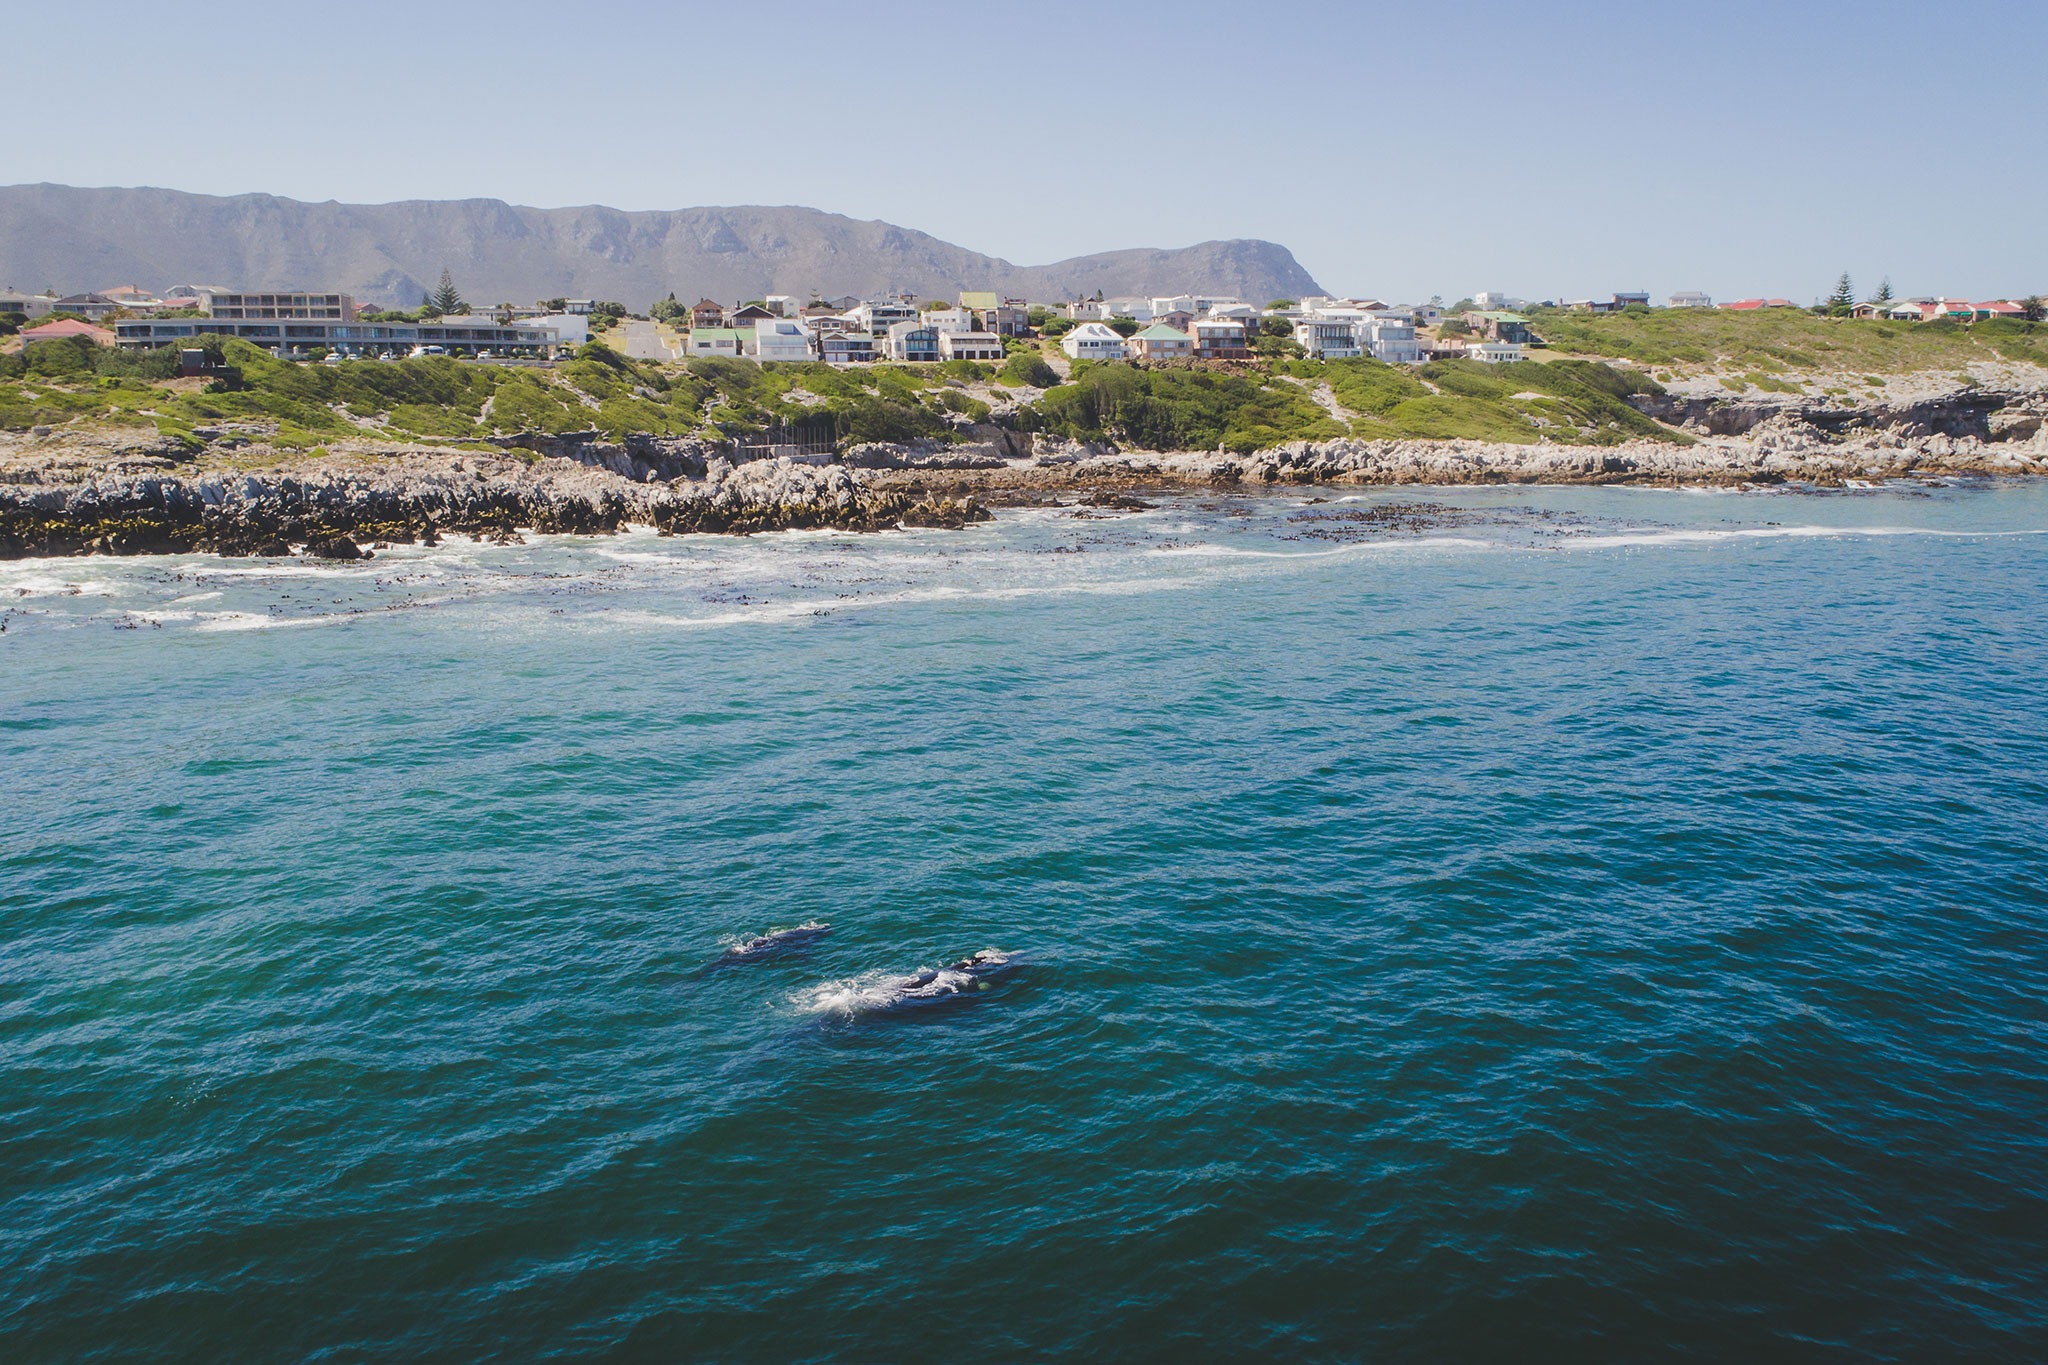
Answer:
x=349 y=338
x=266 y=307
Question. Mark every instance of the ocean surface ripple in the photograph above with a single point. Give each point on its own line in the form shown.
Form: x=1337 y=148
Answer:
x=1560 y=924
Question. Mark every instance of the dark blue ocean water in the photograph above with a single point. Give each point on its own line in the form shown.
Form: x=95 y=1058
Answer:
x=1585 y=924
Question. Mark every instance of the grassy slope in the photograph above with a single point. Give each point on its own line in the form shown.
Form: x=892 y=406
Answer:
x=1565 y=398
x=1788 y=344
x=437 y=398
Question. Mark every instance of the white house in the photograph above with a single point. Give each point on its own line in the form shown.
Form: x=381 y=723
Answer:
x=944 y=320
x=712 y=341
x=1688 y=298
x=912 y=340
x=780 y=339
x=1327 y=338
x=1489 y=301
x=878 y=318
x=1094 y=341
x=28 y=305
x=846 y=348
x=1393 y=340
x=970 y=346
x=1179 y=303
x=571 y=329
x=782 y=305
x=1234 y=312
x=1495 y=352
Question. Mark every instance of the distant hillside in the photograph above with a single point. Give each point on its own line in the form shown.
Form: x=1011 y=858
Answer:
x=389 y=253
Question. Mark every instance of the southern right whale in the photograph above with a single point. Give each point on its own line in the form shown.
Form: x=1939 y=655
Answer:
x=762 y=947
x=956 y=982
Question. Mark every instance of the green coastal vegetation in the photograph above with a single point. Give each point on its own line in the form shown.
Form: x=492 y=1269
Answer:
x=1581 y=402
x=437 y=398
x=1576 y=390
x=1787 y=341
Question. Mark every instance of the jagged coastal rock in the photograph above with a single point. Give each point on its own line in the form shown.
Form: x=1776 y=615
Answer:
x=335 y=509
x=63 y=494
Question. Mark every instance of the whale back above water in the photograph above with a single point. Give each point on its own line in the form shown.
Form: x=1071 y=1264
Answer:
x=954 y=983
x=763 y=947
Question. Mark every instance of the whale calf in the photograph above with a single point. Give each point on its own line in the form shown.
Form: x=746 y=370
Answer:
x=760 y=948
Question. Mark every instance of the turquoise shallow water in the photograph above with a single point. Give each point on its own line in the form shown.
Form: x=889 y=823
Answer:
x=1590 y=924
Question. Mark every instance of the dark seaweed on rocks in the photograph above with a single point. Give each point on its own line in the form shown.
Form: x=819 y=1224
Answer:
x=334 y=511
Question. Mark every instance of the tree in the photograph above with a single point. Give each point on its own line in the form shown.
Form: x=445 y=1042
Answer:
x=1123 y=326
x=2033 y=308
x=1436 y=300
x=1884 y=292
x=1844 y=297
x=1277 y=304
x=1276 y=327
x=445 y=300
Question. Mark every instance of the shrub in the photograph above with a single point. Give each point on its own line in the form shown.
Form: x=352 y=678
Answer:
x=1030 y=368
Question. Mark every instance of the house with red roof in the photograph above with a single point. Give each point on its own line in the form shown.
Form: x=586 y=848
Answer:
x=2000 y=308
x=65 y=328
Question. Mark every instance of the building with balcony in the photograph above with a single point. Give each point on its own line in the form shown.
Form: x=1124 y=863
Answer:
x=1220 y=339
x=1327 y=338
x=269 y=307
x=1160 y=342
x=288 y=337
x=879 y=317
x=970 y=346
x=26 y=304
x=846 y=348
x=912 y=340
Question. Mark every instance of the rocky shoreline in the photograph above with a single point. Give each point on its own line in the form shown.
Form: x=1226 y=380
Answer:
x=345 y=508
x=74 y=494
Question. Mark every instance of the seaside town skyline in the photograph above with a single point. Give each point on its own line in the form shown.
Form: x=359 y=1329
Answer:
x=1488 y=326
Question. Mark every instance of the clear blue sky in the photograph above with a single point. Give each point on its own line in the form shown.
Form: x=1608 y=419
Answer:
x=1546 y=149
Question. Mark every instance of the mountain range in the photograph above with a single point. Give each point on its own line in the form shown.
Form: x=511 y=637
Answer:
x=390 y=254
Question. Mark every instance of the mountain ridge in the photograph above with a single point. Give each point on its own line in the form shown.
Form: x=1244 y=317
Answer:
x=91 y=238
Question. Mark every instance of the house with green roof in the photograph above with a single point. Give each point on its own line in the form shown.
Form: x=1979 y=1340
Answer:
x=1160 y=342
x=725 y=341
x=1004 y=317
